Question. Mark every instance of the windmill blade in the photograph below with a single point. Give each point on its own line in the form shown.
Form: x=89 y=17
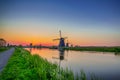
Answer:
x=65 y=37
x=55 y=58
x=60 y=33
x=56 y=39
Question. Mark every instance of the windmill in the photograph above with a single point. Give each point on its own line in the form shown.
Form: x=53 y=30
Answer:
x=61 y=41
x=67 y=43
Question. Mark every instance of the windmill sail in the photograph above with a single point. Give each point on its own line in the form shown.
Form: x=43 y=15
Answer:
x=56 y=39
x=60 y=33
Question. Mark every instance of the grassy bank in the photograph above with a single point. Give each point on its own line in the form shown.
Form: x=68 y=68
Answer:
x=4 y=49
x=24 y=66
x=101 y=49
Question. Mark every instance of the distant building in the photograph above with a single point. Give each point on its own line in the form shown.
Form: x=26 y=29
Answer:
x=2 y=42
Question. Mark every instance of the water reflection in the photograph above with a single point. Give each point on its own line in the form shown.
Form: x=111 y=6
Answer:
x=30 y=49
x=117 y=53
x=104 y=64
x=60 y=58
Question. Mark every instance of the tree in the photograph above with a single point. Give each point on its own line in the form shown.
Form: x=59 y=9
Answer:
x=2 y=42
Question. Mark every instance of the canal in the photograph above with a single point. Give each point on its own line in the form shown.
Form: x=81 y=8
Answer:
x=105 y=65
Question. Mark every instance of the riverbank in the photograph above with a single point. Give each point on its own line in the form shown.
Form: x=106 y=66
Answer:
x=100 y=49
x=24 y=66
x=115 y=49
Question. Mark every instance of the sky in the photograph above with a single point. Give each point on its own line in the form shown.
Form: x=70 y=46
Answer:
x=84 y=22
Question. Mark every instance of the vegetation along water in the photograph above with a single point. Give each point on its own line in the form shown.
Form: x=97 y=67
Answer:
x=24 y=66
x=4 y=48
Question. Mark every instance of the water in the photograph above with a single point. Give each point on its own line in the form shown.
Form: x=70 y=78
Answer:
x=105 y=65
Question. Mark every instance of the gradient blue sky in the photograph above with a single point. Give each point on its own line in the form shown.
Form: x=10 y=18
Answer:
x=85 y=22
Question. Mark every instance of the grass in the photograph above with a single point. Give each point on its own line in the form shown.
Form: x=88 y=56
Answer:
x=100 y=49
x=24 y=66
x=4 y=49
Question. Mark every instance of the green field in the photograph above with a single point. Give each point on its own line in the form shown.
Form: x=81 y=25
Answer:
x=4 y=49
x=100 y=49
x=24 y=66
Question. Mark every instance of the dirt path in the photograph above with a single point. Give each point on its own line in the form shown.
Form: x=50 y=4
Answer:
x=4 y=56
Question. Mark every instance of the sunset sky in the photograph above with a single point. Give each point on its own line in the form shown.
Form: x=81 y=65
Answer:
x=84 y=22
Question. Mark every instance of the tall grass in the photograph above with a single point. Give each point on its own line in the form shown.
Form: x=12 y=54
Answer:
x=24 y=66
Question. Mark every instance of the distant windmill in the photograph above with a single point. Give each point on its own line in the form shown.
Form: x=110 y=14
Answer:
x=61 y=41
x=67 y=43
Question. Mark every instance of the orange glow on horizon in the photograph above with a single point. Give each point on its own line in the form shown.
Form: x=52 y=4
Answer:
x=49 y=42
x=21 y=38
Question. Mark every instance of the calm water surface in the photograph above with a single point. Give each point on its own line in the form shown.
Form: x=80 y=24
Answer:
x=103 y=64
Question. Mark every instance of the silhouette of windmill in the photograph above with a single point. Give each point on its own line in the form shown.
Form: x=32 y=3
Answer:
x=61 y=41
x=67 y=43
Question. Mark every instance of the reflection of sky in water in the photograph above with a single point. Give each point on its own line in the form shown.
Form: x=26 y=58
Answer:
x=106 y=65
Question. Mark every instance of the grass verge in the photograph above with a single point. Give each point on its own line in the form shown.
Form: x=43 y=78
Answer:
x=4 y=49
x=24 y=66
